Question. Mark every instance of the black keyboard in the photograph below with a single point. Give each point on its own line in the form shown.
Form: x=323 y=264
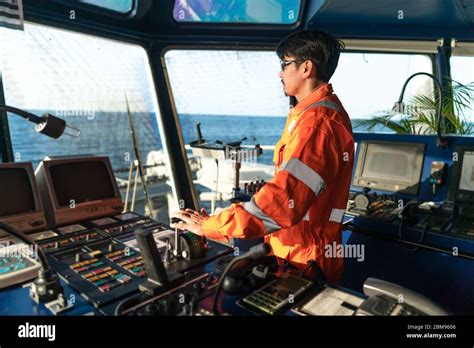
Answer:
x=277 y=295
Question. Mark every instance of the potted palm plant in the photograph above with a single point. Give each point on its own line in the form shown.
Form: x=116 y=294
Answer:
x=419 y=116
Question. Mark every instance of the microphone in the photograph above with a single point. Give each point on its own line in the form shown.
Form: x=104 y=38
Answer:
x=54 y=127
x=254 y=253
x=48 y=124
x=399 y=106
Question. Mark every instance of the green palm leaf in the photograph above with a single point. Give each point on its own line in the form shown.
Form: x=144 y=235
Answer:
x=420 y=116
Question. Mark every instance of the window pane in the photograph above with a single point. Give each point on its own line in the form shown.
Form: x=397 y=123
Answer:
x=123 y=6
x=79 y=78
x=369 y=84
x=233 y=94
x=462 y=71
x=236 y=94
x=237 y=11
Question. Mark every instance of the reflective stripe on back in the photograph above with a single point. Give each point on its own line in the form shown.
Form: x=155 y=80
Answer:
x=326 y=103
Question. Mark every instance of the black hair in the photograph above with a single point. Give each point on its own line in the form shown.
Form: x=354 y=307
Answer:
x=319 y=47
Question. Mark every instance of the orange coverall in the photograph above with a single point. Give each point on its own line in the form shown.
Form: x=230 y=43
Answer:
x=300 y=210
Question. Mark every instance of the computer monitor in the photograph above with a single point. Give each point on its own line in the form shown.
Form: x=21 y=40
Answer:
x=462 y=182
x=78 y=189
x=20 y=202
x=390 y=166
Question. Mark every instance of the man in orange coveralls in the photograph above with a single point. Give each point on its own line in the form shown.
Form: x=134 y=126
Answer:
x=300 y=210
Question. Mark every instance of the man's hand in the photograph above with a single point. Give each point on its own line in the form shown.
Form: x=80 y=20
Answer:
x=192 y=220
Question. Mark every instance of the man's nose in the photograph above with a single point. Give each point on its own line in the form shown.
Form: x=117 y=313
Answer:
x=281 y=74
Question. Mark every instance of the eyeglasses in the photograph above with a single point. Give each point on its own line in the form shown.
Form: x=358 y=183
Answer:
x=283 y=64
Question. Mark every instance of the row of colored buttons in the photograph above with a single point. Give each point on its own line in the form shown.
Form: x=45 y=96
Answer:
x=63 y=242
x=99 y=273
x=143 y=223
x=118 y=279
x=122 y=228
x=83 y=263
x=120 y=254
x=106 y=278
x=136 y=268
x=88 y=267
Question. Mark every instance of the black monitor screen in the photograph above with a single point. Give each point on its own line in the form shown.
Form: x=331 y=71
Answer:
x=466 y=181
x=16 y=194
x=81 y=182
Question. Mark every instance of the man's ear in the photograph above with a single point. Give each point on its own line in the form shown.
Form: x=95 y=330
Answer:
x=310 y=69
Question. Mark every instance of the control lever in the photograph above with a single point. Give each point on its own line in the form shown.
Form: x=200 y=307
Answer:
x=159 y=279
x=168 y=252
x=176 y=251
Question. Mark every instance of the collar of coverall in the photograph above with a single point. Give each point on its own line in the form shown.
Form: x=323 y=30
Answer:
x=317 y=94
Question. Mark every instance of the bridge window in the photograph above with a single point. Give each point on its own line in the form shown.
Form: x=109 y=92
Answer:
x=233 y=94
x=79 y=78
x=462 y=71
x=368 y=84
x=237 y=11
x=236 y=94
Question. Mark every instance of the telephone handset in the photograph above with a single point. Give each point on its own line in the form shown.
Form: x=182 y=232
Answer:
x=386 y=298
x=247 y=274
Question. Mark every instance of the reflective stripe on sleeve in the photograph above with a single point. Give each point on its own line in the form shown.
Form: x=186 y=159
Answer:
x=306 y=217
x=337 y=215
x=304 y=174
x=252 y=208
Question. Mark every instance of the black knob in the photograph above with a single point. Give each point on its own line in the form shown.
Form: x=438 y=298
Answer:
x=151 y=309
x=167 y=306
